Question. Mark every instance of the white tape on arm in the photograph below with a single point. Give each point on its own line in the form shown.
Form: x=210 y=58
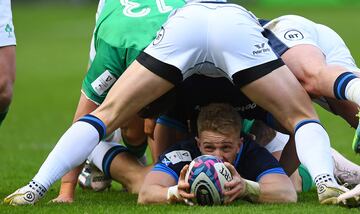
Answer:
x=252 y=190
x=173 y=194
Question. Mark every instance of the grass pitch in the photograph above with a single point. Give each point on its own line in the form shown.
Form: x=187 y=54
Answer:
x=52 y=53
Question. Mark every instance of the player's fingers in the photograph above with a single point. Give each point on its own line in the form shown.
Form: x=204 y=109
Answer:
x=352 y=196
x=183 y=185
x=231 y=168
x=232 y=194
x=60 y=199
x=186 y=195
x=183 y=172
x=231 y=184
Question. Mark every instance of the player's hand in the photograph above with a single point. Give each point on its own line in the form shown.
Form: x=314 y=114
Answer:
x=63 y=198
x=66 y=194
x=184 y=187
x=350 y=198
x=236 y=187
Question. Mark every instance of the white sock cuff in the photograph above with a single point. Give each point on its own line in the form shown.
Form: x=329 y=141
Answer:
x=97 y=155
x=278 y=143
x=352 y=91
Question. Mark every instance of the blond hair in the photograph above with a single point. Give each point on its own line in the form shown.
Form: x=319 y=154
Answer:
x=219 y=117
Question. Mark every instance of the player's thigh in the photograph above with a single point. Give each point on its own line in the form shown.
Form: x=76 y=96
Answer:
x=280 y=93
x=305 y=61
x=135 y=88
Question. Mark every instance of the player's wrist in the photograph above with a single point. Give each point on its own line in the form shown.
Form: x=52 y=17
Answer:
x=252 y=190
x=173 y=194
x=67 y=188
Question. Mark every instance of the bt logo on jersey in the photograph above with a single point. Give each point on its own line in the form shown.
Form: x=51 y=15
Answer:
x=293 y=35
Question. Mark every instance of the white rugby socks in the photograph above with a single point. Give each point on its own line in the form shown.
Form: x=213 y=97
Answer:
x=71 y=150
x=313 y=149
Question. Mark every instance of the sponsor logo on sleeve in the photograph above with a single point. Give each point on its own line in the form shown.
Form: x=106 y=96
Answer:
x=159 y=36
x=293 y=35
x=261 y=48
x=103 y=82
x=178 y=156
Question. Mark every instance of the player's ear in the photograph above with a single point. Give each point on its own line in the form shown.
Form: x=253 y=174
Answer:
x=197 y=141
x=240 y=142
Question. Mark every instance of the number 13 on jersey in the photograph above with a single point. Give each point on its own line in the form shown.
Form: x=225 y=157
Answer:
x=132 y=8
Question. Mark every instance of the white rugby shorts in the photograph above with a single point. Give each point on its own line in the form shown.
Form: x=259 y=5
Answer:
x=295 y=30
x=7 y=35
x=213 y=39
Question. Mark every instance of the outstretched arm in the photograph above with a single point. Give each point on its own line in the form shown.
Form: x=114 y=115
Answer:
x=69 y=180
x=271 y=188
x=160 y=187
x=68 y=184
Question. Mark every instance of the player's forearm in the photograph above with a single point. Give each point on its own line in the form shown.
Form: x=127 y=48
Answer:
x=69 y=182
x=153 y=194
x=277 y=192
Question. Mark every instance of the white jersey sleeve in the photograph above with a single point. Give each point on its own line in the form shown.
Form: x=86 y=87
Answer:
x=294 y=30
x=7 y=35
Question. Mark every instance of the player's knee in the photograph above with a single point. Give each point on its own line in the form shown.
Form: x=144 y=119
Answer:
x=312 y=81
x=133 y=137
x=6 y=93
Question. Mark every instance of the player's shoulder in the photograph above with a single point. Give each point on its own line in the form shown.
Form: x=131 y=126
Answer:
x=286 y=20
x=182 y=152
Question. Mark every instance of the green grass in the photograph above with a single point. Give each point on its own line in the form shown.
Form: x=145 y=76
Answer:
x=52 y=53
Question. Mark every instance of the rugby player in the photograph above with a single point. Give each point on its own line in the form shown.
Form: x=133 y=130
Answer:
x=321 y=61
x=257 y=176
x=7 y=57
x=115 y=44
x=188 y=44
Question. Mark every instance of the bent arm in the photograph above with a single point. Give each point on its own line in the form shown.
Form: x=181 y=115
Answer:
x=155 y=188
x=276 y=188
x=68 y=185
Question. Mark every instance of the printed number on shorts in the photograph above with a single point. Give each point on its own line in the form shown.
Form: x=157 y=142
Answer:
x=131 y=6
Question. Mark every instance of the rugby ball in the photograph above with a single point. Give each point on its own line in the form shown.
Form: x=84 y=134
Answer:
x=207 y=175
x=92 y=178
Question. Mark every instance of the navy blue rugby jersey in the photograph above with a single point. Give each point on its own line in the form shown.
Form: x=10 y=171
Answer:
x=276 y=44
x=197 y=91
x=252 y=162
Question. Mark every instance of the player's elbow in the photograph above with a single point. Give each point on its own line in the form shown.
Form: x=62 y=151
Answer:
x=288 y=196
x=144 y=196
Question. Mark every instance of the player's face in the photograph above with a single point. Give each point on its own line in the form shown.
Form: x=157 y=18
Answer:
x=222 y=146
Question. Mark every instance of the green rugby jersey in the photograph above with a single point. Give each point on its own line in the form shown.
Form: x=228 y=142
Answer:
x=123 y=29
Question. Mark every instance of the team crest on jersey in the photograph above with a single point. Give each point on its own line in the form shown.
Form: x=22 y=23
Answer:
x=166 y=161
x=103 y=82
x=9 y=30
x=293 y=35
x=178 y=156
x=159 y=36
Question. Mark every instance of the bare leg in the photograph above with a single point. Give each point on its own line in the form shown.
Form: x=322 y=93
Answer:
x=346 y=109
x=121 y=103
x=125 y=168
x=308 y=64
x=281 y=94
x=7 y=74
